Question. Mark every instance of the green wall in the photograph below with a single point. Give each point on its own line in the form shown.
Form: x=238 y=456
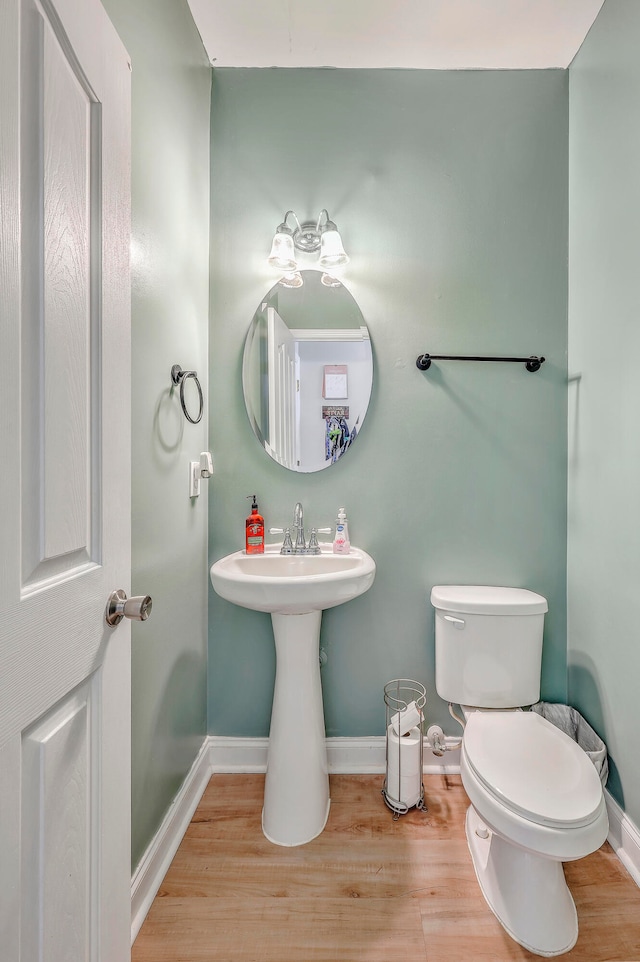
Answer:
x=604 y=390
x=171 y=84
x=450 y=190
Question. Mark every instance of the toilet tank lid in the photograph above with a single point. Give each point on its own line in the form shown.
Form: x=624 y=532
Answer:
x=487 y=600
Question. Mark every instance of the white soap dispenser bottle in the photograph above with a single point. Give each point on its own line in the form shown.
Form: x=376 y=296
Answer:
x=341 y=543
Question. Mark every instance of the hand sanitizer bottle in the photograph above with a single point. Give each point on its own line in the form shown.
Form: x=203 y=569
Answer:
x=341 y=543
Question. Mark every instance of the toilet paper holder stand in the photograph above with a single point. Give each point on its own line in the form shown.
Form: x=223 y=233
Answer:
x=403 y=788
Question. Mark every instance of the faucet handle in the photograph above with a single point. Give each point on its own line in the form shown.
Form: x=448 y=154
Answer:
x=313 y=547
x=287 y=546
x=324 y=530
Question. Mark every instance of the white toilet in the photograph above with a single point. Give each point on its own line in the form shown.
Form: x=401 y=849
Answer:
x=536 y=797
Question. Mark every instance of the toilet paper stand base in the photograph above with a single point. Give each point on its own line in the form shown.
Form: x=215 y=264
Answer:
x=399 y=808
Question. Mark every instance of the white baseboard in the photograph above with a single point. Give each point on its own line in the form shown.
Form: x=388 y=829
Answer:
x=153 y=866
x=624 y=837
x=346 y=756
x=237 y=755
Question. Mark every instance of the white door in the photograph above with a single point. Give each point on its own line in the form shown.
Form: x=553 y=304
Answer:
x=64 y=483
x=283 y=393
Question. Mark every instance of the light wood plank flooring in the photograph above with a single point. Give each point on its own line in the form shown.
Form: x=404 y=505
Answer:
x=369 y=889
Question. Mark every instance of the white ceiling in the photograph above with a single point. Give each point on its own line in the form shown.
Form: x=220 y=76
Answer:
x=419 y=34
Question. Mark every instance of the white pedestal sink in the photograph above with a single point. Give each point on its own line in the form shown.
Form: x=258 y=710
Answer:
x=295 y=589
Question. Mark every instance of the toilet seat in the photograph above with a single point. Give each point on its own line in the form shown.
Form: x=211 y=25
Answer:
x=532 y=768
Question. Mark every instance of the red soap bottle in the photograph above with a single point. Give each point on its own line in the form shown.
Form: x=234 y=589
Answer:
x=254 y=530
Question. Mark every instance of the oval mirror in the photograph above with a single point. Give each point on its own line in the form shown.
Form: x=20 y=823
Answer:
x=307 y=372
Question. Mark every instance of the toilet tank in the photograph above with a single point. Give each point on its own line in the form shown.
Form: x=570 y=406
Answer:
x=488 y=645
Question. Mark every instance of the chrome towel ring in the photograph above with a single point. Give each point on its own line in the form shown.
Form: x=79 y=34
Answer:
x=178 y=376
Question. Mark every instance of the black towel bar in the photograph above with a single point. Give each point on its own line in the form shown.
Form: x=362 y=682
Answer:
x=423 y=363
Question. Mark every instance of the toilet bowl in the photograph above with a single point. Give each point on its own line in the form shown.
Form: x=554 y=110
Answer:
x=536 y=801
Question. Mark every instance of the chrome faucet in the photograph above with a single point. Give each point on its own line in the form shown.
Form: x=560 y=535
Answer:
x=298 y=523
x=300 y=546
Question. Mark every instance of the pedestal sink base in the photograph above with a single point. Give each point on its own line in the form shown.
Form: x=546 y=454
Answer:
x=296 y=793
x=276 y=841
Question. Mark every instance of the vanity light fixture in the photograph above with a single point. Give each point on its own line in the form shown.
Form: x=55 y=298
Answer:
x=308 y=237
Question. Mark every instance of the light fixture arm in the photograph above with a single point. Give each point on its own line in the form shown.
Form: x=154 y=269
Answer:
x=327 y=221
x=284 y=222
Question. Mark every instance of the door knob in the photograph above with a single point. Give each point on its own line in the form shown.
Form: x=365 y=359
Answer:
x=119 y=606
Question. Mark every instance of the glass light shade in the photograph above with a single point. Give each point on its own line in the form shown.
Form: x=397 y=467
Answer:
x=291 y=280
x=332 y=253
x=282 y=255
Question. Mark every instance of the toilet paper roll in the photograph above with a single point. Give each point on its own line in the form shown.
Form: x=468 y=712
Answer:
x=405 y=719
x=404 y=775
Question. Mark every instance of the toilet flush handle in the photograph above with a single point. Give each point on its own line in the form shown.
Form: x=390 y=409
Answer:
x=456 y=622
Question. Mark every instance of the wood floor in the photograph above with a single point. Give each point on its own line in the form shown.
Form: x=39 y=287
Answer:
x=369 y=889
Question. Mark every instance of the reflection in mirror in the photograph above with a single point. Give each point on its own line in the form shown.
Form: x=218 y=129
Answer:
x=307 y=372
